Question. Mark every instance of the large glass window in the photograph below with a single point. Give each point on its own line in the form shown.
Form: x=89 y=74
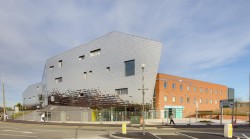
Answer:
x=121 y=91
x=188 y=99
x=129 y=67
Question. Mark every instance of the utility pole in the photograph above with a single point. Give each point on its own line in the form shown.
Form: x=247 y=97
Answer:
x=249 y=103
x=4 y=110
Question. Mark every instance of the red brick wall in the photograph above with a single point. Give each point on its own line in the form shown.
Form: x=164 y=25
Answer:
x=189 y=108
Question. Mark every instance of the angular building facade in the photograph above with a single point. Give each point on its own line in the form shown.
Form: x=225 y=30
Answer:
x=32 y=96
x=105 y=72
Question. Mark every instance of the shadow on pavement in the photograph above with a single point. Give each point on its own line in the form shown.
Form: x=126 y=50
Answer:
x=137 y=135
x=204 y=135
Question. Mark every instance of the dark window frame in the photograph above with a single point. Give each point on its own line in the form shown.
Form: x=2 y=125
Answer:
x=129 y=67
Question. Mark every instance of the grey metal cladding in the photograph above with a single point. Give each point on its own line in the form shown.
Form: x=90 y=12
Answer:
x=30 y=95
x=116 y=47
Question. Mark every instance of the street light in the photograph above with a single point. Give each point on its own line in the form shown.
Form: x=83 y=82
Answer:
x=143 y=94
x=4 y=111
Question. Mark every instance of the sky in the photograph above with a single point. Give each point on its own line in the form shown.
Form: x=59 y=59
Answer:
x=206 y=40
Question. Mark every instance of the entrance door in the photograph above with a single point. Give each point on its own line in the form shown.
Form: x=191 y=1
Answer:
x=178 y=112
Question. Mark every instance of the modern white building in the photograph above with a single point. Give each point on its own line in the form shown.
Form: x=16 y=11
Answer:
x=32 y=95
x=110 y=65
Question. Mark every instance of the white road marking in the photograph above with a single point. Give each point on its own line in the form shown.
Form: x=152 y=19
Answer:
x=26 y=132
x=19 y=135
x=245 y=136
x=186 y=135
x=10 y=127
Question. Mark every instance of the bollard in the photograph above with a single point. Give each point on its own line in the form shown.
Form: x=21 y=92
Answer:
x=124 y=128
x=228 y=130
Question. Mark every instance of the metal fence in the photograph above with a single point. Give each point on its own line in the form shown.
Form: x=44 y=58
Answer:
x=107 y=115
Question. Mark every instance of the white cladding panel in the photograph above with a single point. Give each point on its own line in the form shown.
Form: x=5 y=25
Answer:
x=115 y=48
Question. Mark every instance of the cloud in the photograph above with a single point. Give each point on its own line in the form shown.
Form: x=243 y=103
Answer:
x=197 y=35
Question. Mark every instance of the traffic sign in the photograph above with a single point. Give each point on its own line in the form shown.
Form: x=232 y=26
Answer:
x=227 y=103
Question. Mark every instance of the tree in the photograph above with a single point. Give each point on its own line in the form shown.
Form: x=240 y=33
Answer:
x=19 y=105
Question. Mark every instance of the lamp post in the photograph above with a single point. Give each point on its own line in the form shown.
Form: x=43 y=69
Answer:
x=143 y=94
x=4 y=110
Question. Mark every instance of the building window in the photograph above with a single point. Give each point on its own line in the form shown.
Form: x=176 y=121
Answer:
x=165 y=85
x=107 y=68
x=85 y=75
x=220 y=92
x=181 y=87
x=129 y=67
x=211 y=101
x=188 y=88
x=215 y=92
x=200 y=100
x=58 y=80
x=51 y=67
x=181 y=99
x=215 y=101
x=173 y=85
x=121 y=91
x=201 y=90
x=173 y=99
x=165 y=98
x=37 y=88
x=90 y=72
x=211 y=91
x=194 y=100
x=188 y=99
x=194 y=89
x=95 y=52
x=60 y=63
x=206 y=90
x=81 y=57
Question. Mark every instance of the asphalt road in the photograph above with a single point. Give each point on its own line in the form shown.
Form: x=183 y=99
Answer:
x=42 y=131
x=31 y=131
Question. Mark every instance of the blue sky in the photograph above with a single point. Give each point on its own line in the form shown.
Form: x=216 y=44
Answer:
x=205 y=40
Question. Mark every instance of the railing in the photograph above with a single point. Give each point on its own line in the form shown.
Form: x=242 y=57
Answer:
x=152 y=117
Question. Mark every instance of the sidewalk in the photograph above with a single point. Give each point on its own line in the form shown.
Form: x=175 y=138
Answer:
x=150 y=123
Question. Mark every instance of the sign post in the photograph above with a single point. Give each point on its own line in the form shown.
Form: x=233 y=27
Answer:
x=227 y=103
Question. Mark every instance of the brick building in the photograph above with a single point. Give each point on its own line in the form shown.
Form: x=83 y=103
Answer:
x=180 y=96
